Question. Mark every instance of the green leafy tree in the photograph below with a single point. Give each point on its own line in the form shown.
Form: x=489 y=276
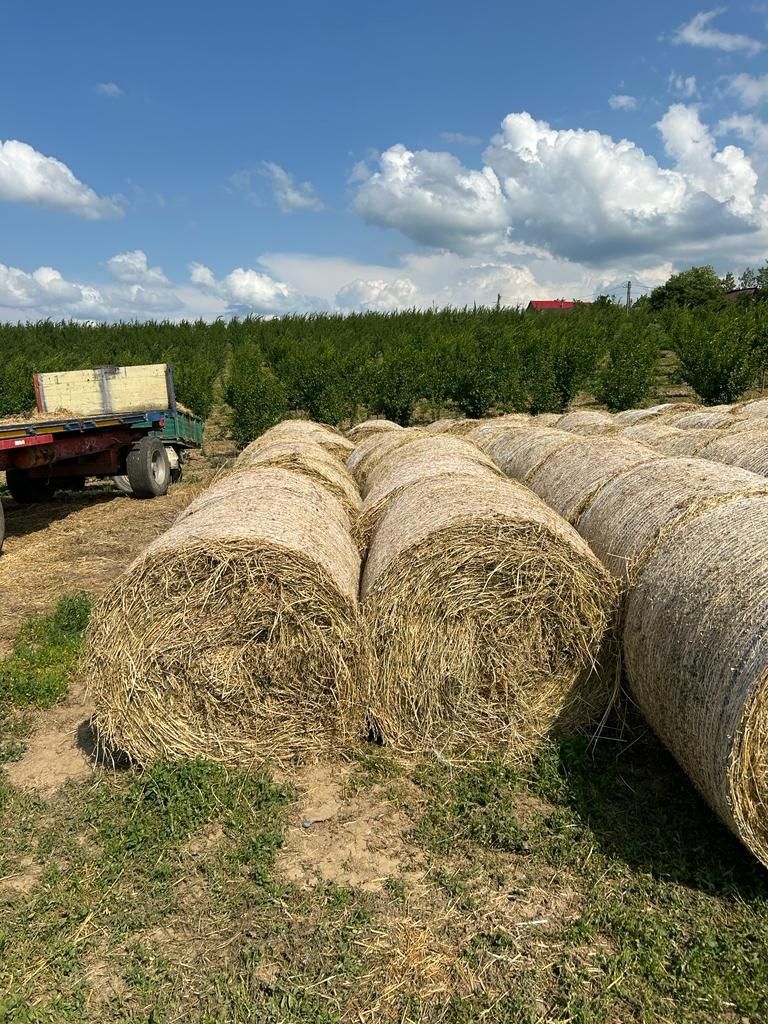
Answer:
x=688 y=289
x=257 y=398
x=627 y=376
x=719 y=356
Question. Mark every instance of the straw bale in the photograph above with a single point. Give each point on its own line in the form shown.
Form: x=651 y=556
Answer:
x=485 y=612
x=625 y=519
x=373 y=449
x=362 y=430
x=488 y=430
x=631 y=416
x=696 y=658
x=439 y=426
x=686 y=443
x=461 y=427
x=422 y=458
x=572 y=475
x=545 y=419
x=707 y=419
x=311 y=459
x=747 y=449
x=520 y=454
x=587 y=421
x=757 y=409
x=233 y=636
x=299 y=431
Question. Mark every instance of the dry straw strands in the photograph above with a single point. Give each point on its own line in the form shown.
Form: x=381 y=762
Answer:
x=671 y=440
x=587 y=421
x=299 y=431
x=696 y=656
x=488 y=430
x=459 y=428
x=439 y=426
x=369 y=453
x=485 y=612
x=420 y=459
x=706 y=419
x=757 y=409
x=545 y=419
x=569 y=478
x=747 y=449
x=233 y=636
x=518 y=454
x=311 y=459
x=630 y=416
x=626 y=518
x=365 y=429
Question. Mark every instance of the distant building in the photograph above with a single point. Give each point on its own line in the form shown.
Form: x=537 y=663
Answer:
x=543 y=305
x=742 y=293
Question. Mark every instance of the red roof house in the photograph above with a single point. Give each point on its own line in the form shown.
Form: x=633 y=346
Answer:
x=540 y=305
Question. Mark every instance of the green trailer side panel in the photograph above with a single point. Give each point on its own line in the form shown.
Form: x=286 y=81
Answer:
x=184 y=428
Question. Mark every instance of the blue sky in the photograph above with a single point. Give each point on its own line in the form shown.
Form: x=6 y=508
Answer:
x=172 y=159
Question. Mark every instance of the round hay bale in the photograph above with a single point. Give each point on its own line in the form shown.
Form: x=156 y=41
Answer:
x=705 y=419
x=747 y=449
x=365 y=429
x=311 y=459
x=459 y=428
x=421 y=459
x=485 y=612
x=625 y=519
x=696 y=658
x=569 y=478
x=685 y=443
x=627 y=417
x=756 y=409
x=373 y=449
x=545 y=419
x=519 y=454
x=587 y=421
x=233 y=636
x=299 y=431
x=439 y=426
x=488 y=430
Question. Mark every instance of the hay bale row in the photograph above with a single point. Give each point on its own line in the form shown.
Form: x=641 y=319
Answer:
x=631 y=416
x=739 y=446
x=518 y=453
x=756 y=409
x=298 y=432
x=234 y=635
x=484 y=610
x=747 y=449
x=687 y=541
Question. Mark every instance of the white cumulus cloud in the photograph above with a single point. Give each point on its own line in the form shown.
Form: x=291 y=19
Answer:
x=245 y=290
x=686 y=87
x=110 y=89
x=622 y=102
x=28 y=176
x=751 y=90
x=699 y=32
x=291 y=195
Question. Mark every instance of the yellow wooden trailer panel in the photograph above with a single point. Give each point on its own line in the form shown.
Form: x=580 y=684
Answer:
x=106 y=389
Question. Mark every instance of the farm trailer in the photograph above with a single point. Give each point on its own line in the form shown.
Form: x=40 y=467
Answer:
x=122 y=422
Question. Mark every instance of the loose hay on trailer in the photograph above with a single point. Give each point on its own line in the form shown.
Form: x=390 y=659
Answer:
x=234 y=635
x=485 y=612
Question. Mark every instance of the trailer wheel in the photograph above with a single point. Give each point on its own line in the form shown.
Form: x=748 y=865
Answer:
x=27 y=489
x=148 y=468
x=123 y=484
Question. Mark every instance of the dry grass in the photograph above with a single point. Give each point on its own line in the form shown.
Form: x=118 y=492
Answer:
x=233 y=636
x=485 y=612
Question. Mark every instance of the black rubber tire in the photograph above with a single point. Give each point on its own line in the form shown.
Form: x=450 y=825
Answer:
x=123 y=484
x=27 y=489
x=148 y=468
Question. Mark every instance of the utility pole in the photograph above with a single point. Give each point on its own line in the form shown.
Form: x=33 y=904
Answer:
x=498 y=301
x=629 y=295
